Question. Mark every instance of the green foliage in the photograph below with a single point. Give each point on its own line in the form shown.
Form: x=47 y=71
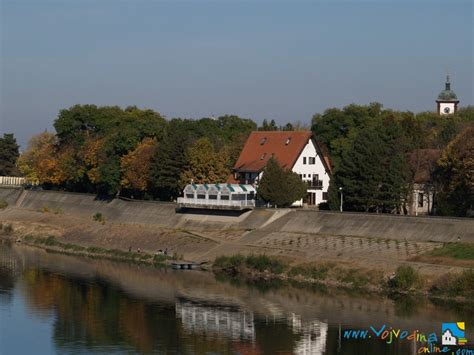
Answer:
x=226 y=262
x=263 y=263
x=280 y=187
x=3 y=204
x=405 y=279
x=455 y=175
x=8 y=155
x=98 y=217
x=374 y=172
x=455 y=250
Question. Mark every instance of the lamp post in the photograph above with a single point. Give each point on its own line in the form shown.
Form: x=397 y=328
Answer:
x=340 y=190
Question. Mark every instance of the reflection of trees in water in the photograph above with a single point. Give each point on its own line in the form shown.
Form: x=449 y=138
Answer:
x=9 y=268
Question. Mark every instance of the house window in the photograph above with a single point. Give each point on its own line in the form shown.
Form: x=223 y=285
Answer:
x=212 y=197
x=301 y=176
x=201 y=197
x=288 y=140
x=224 y=197
x=312 y=160
x=189 y=195
x=315 y=177
x=304 y=160
x=264 y=139
x=420 y=199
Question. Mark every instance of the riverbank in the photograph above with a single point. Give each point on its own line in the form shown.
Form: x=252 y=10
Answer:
x=303 y=241
x=405 y=281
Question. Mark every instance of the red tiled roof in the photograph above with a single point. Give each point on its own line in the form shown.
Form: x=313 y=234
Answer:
x=255 y=155
x=422 y=163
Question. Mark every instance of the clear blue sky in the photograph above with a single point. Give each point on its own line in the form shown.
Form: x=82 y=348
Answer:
x=282 y=60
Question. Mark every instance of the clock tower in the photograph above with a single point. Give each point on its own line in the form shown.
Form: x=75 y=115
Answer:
x=447 y=100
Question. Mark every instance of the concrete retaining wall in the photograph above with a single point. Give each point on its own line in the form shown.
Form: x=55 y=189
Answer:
x=377 y=226
x=264 y=220
x=10 y=195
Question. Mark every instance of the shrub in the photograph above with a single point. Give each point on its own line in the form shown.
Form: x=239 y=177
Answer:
x=405 y=278
x=234 y=261
x=455 y=285
x=98 y=217
x=262 y=263
x=3 y=204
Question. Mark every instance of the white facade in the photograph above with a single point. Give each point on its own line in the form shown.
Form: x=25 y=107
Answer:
x=447 y=108
x=312 y=170
x=421 y=200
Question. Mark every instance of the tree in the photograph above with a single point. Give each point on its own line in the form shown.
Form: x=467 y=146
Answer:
x=455 y=175
x=136 y=166
x=204 y=164
x=268 y=126
x=170 y=160
x=280 y=187
x=8 y=155
x=36 y=162
x=374 y=173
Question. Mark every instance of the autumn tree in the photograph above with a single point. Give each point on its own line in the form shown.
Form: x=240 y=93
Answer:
x=37 y=162
x=280 y=187
x=136 y=166
x=455 y=175
x=204 y=164
x=8 y=155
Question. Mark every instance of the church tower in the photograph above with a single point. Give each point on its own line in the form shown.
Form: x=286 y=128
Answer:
x=447 y=100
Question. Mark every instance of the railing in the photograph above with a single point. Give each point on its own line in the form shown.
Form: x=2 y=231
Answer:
x=209 y=202
x=315 y=184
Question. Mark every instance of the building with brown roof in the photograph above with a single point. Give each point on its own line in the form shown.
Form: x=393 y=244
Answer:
x=294 y=150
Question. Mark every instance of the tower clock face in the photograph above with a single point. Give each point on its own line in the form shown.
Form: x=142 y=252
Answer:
x=446 y=110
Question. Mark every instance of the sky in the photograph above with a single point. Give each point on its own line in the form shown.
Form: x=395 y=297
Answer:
x=260 y=59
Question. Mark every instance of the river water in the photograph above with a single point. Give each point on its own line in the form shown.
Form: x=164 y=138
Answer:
x=53 y=303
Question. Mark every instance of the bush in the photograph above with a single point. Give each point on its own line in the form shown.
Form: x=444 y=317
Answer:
x=3 y=204
x=234 y=261
x=405 y=278
x=455 y=285
x=262 y=263
x=98 y=217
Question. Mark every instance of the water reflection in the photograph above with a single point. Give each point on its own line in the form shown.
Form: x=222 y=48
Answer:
x=98 y=306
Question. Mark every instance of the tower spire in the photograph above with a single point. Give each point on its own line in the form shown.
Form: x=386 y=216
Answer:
x=448 y=84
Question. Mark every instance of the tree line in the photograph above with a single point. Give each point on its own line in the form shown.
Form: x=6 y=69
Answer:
x=370 y=151
x=138 y=153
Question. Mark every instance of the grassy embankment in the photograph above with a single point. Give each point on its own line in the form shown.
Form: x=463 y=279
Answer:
x=52 y=244
x=405 y=280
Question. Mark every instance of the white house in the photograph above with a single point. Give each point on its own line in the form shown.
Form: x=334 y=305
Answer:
x=295 y=150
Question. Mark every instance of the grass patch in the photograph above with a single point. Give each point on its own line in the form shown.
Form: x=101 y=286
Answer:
x=463 y=251
x=319 y=272
x=3 y=204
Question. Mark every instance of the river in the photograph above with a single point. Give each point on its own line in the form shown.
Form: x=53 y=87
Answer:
x=54 y=303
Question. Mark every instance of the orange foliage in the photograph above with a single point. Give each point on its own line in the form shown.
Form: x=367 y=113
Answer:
x=136 y=165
